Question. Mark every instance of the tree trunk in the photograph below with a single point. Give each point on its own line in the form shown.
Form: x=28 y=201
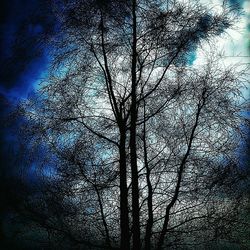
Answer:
x=124 y=220
x=179 y=178
x=150 y=191
x=107 y=240
x=133 y=148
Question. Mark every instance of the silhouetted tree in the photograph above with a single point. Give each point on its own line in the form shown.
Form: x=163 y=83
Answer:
x=142 y=141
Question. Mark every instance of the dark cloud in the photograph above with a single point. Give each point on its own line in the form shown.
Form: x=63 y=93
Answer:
x=23 y=25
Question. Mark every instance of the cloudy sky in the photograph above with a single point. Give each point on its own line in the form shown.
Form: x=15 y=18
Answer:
x=22 y=57
x=24 y=60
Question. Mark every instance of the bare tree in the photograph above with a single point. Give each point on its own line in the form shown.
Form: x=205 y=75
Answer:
x=141 y=138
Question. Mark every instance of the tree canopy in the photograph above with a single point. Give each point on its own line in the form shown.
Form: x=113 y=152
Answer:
x=142 y=141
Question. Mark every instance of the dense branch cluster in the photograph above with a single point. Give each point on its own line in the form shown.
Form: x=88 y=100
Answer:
x=143 y=142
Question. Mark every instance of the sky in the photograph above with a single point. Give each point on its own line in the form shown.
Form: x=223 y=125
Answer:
x=24 y=59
